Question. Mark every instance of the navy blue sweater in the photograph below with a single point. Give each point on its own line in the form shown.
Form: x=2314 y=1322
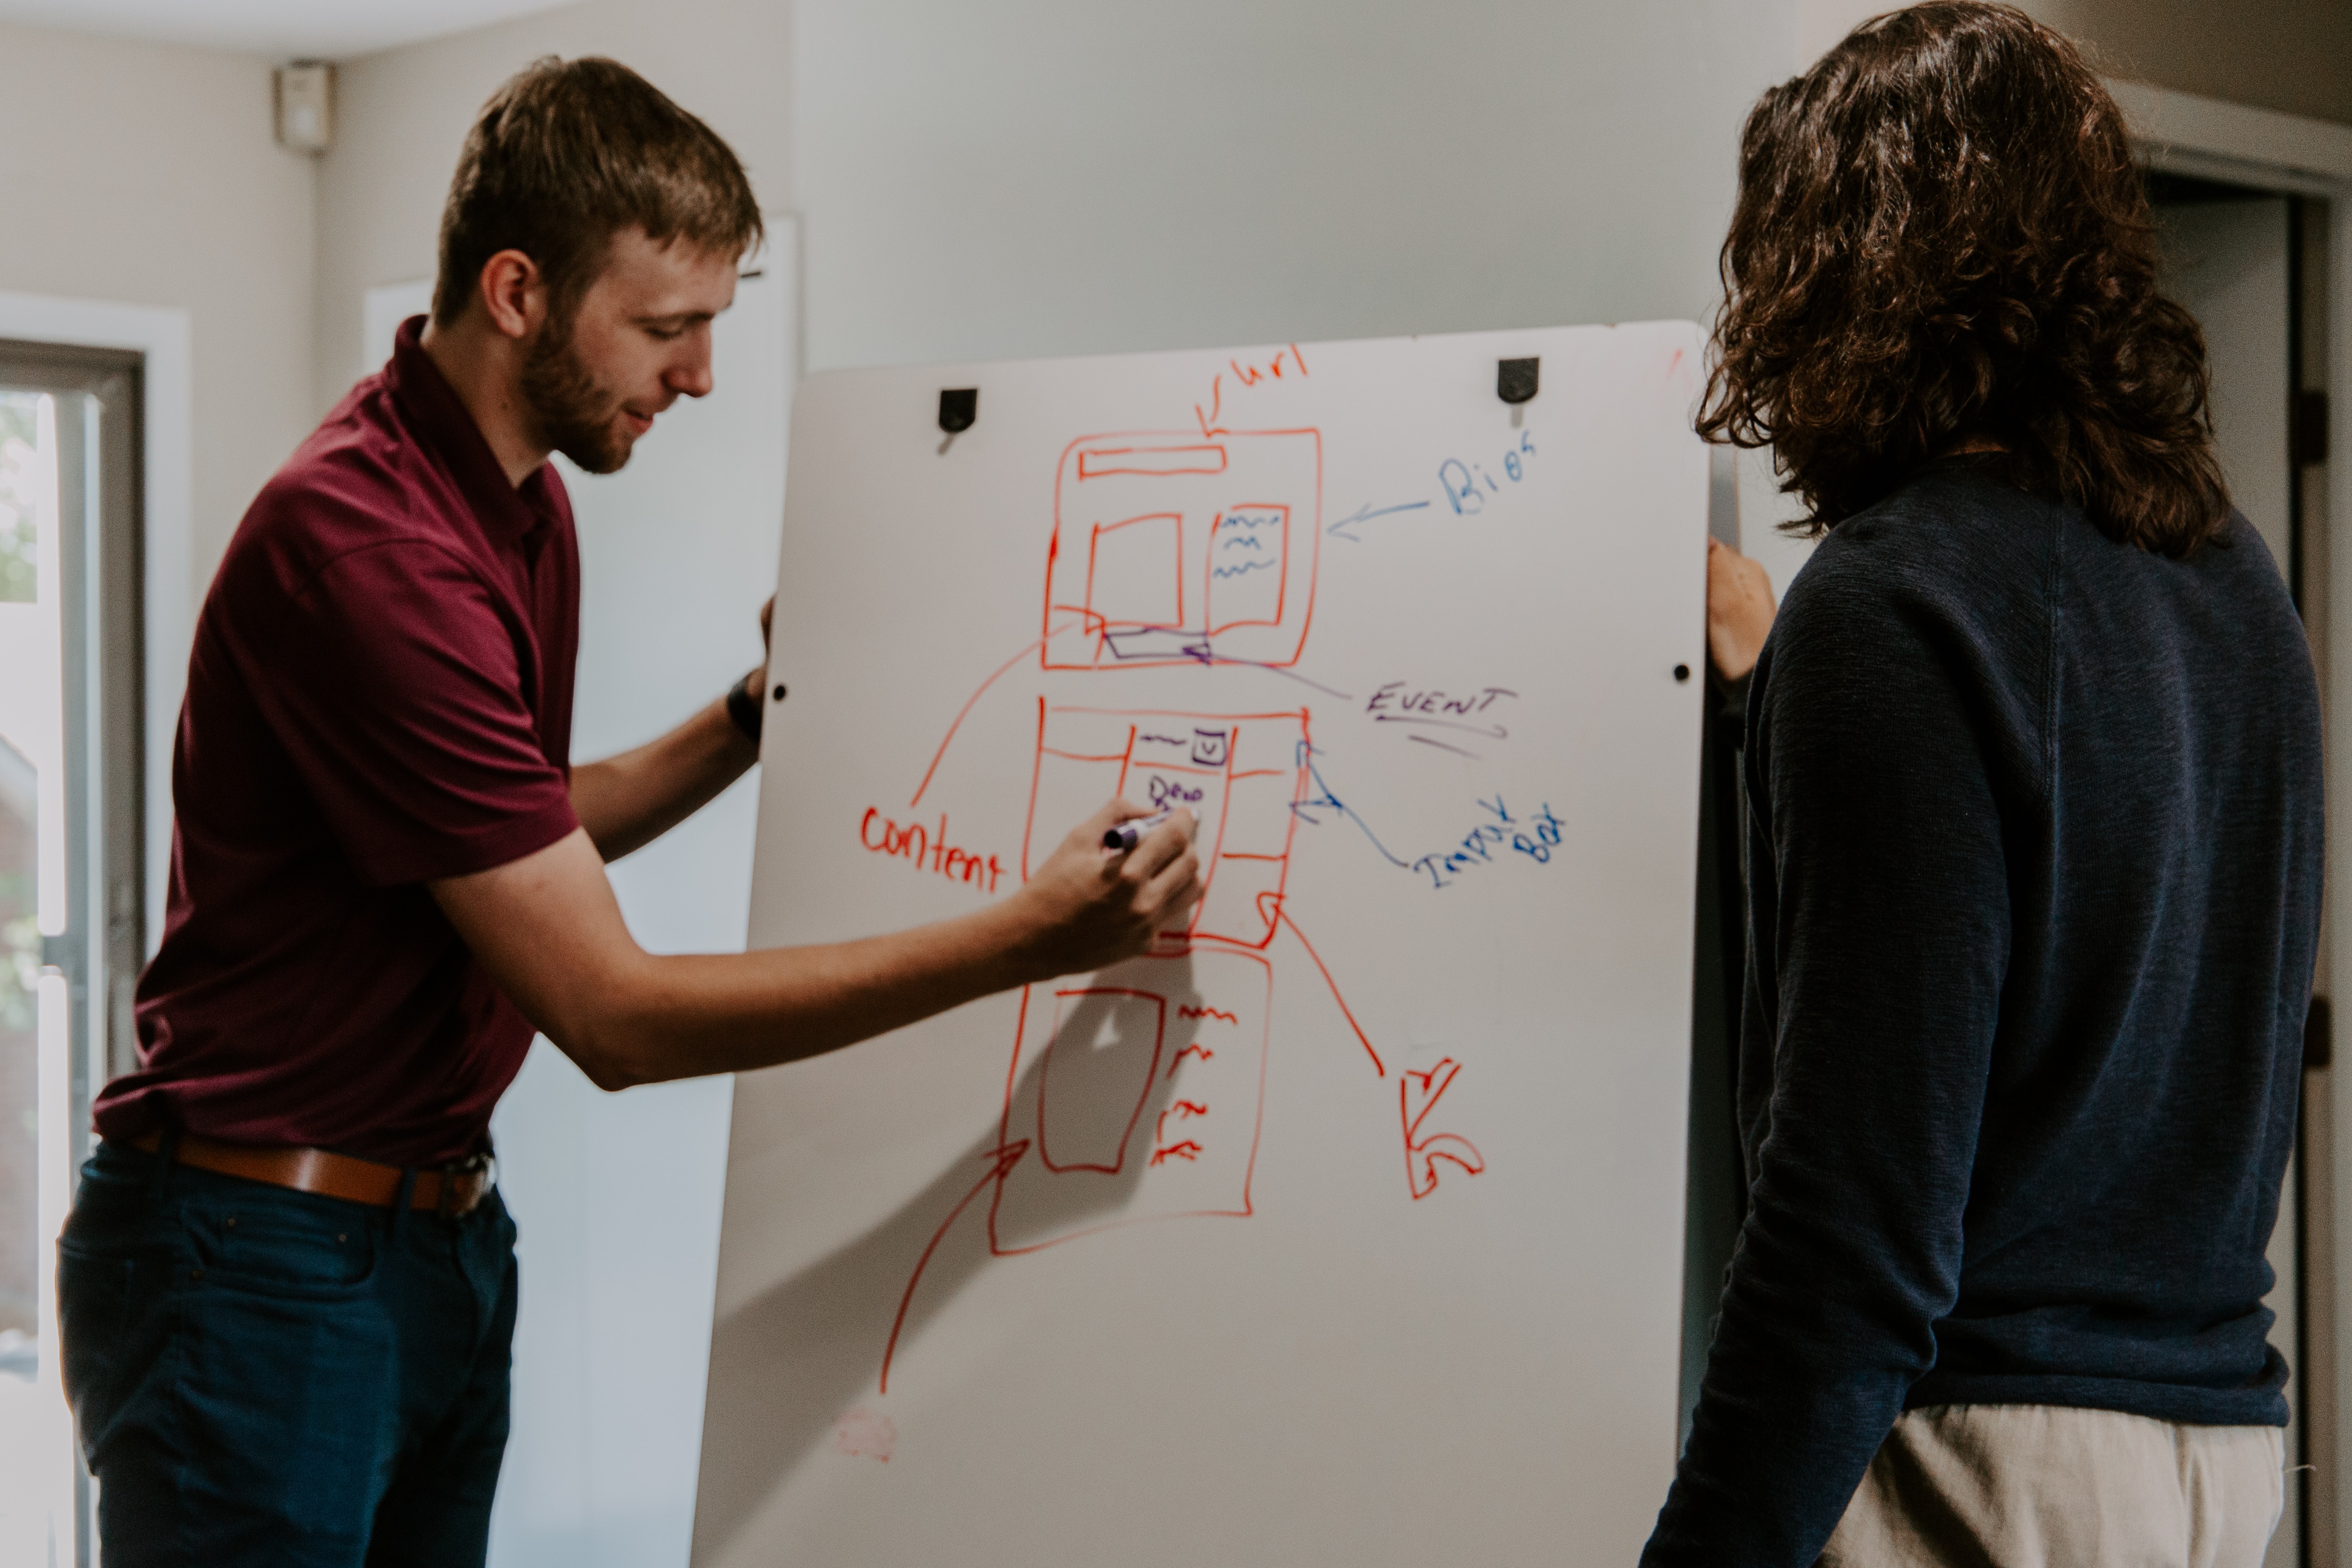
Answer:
x=2034 y=883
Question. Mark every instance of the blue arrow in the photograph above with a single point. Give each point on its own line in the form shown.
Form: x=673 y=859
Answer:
x=1305 y=810
x=1365 y=513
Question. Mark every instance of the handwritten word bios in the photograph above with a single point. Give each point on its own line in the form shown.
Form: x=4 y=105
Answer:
x=1535 y=837
x=1467 y=485
x=927 y=849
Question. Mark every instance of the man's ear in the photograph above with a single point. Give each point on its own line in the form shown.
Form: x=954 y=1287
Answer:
x=513 y=293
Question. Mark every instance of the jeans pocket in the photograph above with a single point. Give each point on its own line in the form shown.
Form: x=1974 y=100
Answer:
x=282 y=1243
x=112 y=1322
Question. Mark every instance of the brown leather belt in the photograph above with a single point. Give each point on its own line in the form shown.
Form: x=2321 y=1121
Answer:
x=452 y=1191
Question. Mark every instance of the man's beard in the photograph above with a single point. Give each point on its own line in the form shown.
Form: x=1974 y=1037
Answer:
x=574 y=414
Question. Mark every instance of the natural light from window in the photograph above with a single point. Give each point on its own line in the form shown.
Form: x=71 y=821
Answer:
x=36 y=1453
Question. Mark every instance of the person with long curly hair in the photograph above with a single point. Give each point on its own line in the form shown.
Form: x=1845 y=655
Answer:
x=2033 y=773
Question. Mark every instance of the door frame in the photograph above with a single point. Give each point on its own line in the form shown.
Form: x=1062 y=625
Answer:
x=108 y=350
x=2184 y=134
x=160 y=335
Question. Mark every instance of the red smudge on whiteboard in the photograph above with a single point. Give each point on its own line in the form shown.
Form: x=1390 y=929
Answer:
x=866 y=1435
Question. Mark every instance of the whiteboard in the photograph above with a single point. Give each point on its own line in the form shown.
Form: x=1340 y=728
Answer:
x=1348 y=1227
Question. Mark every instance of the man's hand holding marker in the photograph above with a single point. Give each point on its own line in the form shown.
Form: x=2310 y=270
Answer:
x=1133 y=873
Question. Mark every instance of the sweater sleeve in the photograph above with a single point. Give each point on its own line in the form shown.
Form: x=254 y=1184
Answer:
x=1878 y=889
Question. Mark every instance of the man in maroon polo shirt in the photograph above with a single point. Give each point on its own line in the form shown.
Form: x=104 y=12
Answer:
x=288 y=1288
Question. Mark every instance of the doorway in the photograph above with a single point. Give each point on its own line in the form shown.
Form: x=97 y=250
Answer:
x=2235 y=257
x=71 y=857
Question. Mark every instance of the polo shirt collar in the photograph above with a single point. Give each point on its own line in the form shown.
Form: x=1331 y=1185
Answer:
x=439 y=415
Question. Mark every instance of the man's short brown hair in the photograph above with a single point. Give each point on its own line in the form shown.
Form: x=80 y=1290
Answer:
x=567 y=154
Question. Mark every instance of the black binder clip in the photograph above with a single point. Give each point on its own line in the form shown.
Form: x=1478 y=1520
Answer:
x=959 y=406
x=1515 y=384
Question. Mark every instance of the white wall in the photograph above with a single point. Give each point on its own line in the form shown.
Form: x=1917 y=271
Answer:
x=2284 y=55
x=143 y=174
x=1056 y=176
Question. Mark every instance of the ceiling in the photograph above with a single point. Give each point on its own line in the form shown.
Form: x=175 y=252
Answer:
x=281 y=29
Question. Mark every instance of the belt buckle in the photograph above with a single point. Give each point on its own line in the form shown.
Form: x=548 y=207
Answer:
x=477 y=1171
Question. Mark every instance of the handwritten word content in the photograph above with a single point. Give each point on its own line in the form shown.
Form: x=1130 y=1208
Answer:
x=1536 y=838
x=1467 y=485
x=928 y=850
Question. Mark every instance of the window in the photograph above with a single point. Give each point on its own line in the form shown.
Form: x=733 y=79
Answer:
x=71 y=914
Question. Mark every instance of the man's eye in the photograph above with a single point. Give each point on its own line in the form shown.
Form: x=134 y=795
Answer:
x=668 y=335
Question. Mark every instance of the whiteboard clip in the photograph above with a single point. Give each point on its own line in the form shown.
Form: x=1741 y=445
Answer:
x=1515 y=384
x=959 y=406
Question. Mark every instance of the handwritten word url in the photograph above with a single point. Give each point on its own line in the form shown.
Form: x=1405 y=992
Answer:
x=1467 y=485
x=916 y=845
x=1211 y=418
x=1536 y=838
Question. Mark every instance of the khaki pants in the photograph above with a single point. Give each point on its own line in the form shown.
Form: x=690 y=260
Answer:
x=2042 y=1486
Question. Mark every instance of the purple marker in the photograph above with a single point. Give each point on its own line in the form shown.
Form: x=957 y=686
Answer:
x=1129 y=834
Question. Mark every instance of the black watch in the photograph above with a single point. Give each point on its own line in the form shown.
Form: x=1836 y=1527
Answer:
x=744 y=707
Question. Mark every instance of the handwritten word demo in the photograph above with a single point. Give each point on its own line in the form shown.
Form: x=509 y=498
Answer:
x=926 y=850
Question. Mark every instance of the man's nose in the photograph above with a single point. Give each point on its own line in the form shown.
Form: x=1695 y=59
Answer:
x=692 y=376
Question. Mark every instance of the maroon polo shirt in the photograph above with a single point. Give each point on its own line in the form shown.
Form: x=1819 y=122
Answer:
x=379 y=694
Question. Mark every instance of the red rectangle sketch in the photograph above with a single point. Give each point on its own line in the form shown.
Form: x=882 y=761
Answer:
x=1249 y=568
x=1168 y=551
x=1095 y=461
x=1240 y=773
x=1134 y=571
x=1137 y=1092
x=1098 y=1043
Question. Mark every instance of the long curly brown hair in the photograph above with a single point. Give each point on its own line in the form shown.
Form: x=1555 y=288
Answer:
x=1941 y=240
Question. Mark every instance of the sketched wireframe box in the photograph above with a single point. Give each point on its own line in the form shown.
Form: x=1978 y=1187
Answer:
x=1240 y=773
x=1173 y=549
x=1137 y=1094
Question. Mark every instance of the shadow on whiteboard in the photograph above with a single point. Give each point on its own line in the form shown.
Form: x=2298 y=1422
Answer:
x=830 y=1310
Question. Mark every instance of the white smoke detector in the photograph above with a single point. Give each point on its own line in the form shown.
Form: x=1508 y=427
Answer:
x=306 y=106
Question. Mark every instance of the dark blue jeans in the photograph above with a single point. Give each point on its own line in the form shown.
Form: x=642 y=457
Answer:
x=262 y=1376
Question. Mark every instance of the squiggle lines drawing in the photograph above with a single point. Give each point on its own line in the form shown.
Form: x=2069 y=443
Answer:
x=1169 y=548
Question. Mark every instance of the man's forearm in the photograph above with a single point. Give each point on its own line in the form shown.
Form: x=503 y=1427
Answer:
x=548 y=928
x=627 y=801
x=690 y=1014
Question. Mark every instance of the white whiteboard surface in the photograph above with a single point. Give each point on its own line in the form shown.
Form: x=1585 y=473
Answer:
x=1350 y=1229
